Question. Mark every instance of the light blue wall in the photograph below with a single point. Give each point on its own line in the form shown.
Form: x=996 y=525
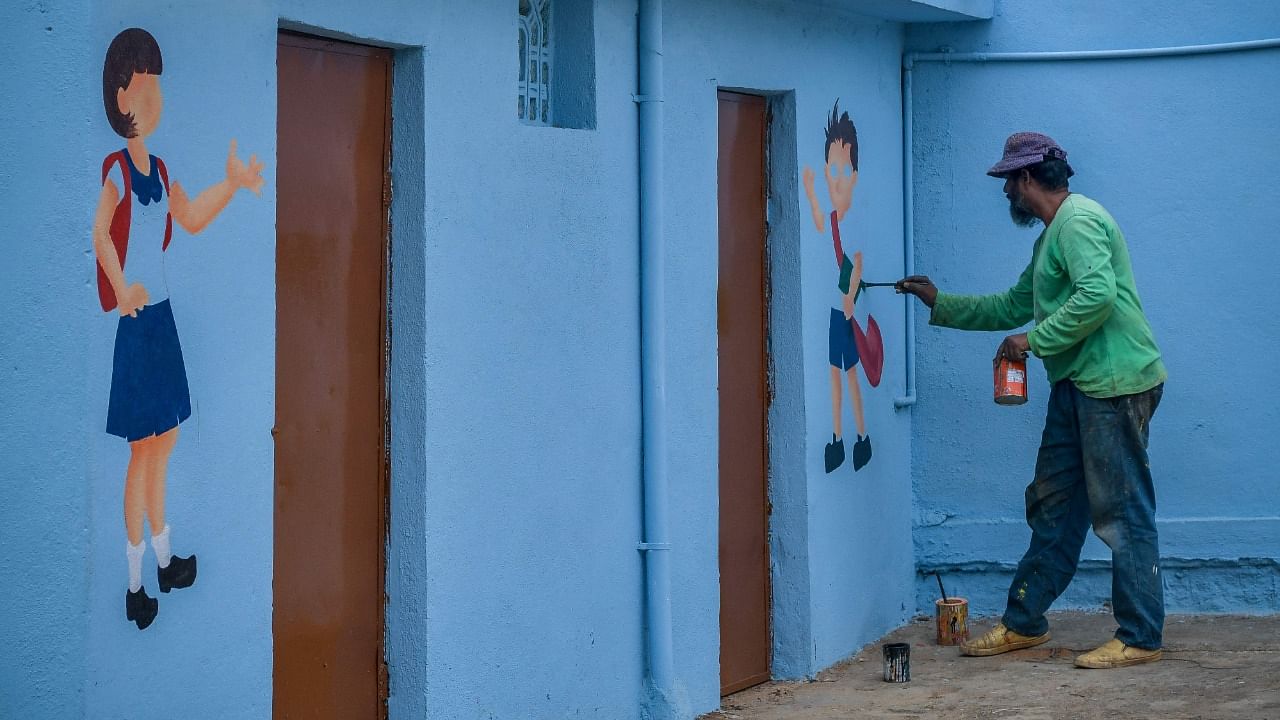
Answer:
x=218 y=84
x=513 y=580
x=1183 y=153
x=859 y=555
x=514 y=584
x=533 y=589
x=46 y=423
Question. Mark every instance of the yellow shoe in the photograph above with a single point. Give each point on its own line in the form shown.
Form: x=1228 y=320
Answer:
x=1000 y=639
x=1114 y=654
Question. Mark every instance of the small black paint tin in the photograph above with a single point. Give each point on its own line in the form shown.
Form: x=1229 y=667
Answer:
x=897 y=662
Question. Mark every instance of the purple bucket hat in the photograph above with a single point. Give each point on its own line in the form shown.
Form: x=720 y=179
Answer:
x=1027 y=148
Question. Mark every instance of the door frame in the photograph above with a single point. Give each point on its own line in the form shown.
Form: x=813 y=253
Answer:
x=794 y=654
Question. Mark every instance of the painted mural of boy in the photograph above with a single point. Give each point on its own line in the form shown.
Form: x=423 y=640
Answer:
x=131 y=230
x=841 y=170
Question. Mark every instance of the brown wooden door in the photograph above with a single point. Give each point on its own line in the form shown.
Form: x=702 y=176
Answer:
x=743 y=321
x=330 y=503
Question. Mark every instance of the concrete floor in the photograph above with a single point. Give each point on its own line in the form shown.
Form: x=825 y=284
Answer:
x=1214 y=667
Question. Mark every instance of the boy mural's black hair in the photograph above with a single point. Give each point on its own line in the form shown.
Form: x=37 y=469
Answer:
x=840 y=127
x=132 y=51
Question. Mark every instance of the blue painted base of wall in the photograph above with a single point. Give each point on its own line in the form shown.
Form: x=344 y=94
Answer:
x=1249 y=586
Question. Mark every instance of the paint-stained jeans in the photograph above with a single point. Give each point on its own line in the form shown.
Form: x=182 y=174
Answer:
x=1092 y=468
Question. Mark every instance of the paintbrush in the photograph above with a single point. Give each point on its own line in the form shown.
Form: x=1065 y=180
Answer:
x=867 y=284
x=940 y=588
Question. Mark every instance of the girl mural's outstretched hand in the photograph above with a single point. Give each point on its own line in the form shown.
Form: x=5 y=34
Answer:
x=194 y=215
x=244 y=176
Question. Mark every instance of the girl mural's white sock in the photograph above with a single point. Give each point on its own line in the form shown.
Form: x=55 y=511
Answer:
x=160 y=543
x=135 y=564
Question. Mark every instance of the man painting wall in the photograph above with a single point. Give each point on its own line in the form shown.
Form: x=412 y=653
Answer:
x=1108 y=377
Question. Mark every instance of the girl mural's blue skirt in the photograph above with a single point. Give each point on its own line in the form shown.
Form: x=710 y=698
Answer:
x=149 y=394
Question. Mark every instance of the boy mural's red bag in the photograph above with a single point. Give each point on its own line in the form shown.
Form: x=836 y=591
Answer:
x=121 y=220
x=870 y=349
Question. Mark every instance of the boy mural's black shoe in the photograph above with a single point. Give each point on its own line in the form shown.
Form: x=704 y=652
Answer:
x=139 y=608
x=834 y=453
x=180 y=573
x=861 y=452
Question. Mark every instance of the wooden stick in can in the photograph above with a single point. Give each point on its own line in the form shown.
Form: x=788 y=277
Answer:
x=953 y=620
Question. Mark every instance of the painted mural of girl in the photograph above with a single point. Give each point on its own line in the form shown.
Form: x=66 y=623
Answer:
x=132 y=228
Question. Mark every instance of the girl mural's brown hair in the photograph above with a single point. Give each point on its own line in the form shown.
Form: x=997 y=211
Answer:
x=132 y=51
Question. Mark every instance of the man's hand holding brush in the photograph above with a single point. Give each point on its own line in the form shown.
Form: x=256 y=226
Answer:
x=920 y=286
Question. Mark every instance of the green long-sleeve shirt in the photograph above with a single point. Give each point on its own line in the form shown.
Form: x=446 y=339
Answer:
x=1079 y=289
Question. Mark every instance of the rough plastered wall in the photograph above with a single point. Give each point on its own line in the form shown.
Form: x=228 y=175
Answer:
x=531 y=480
x=213 y=639
x=1181 y=151
x=841 y=550
x=46 y=423
x=71 y=651
x=514 y=583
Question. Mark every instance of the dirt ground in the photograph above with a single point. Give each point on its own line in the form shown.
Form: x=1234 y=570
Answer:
x=1214 y=667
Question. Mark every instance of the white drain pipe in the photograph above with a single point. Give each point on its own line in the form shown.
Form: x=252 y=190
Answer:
x=663 y=700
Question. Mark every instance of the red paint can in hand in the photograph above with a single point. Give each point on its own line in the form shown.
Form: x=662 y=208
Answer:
x=1011 y=382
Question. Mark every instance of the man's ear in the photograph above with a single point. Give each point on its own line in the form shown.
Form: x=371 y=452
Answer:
x=122 y=100
x=853 y=180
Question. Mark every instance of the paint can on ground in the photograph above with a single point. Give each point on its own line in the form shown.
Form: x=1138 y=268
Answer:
x=897 y=662
x=953 y=620
x=1011 y=382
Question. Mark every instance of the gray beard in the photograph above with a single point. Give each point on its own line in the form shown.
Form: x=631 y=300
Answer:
x=1021 y=216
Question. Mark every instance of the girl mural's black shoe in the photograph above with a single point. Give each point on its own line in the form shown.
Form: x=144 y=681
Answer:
x=180 y=573
x=139 y=608
x=834 y=456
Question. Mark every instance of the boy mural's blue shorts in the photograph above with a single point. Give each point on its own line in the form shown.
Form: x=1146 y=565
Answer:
x=149 y=394
x=843 y=352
